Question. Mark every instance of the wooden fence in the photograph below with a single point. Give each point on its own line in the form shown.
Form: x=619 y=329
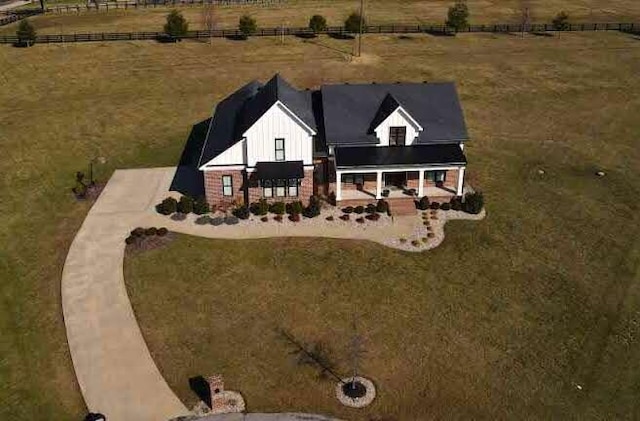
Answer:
x=337 y=31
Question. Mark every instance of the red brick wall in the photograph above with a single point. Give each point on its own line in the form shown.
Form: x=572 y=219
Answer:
x=305 y=190
x=213 y=187
x=451 y=180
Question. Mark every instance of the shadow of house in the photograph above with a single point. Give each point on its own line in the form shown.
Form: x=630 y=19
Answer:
x=188 y=180
x=200 y=387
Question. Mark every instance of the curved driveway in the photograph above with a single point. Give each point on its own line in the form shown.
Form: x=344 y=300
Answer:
x=115 y=371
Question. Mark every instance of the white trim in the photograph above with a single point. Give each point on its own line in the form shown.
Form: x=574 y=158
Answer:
x=304 y=125
x=405 y=114
x=223 y=168
x=338 y=185
x=413 y=120
x=399 y=169
x=460 y=181
x=379 y=184
x=421 y=183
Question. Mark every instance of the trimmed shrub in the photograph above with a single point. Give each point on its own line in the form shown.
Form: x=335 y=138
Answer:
x=359 y=209
x=241 y=212
x=385 y=193
x=130 y=240
x=329 y=218
x=278 y=218
x=360 y=220
x=216 y=221
x=373 y=217
x=200 y=206
x=203 y=220
x=162 y=232
x=371 y=208
x=313 y=209
x=423 y=203
x=429 y=228
x=473 y=203
x=260 y=208
x=415 y=243
x=456 y=204
x=150 y=231
x=434 y=217
x=430 y=235
x=294 y=208
x=138 y=232
x=232 y=220
x=167 y=206
x=402 y=240
x=265 y=219
x=185 y=205
x=344 y=217
x=445 y=206
x=178 y=216
x=294 y=217
x=278 y=208
x=332 y=198
x=26 y=33
x=434 y=206
x=348 y=209
x=382 y=206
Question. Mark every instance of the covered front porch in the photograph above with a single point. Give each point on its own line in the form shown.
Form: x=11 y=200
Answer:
x=391 y=183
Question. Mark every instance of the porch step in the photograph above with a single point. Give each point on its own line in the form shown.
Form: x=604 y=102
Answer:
x=402 y=206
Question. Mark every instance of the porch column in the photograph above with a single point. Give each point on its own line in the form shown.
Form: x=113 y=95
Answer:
x=420 y=183
x=460 y=181
x=338 y=185
x=378 y=184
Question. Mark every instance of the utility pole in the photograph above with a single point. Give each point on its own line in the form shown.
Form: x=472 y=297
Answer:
x=361 y=25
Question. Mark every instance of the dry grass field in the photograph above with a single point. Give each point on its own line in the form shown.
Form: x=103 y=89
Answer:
x=515 y=310
x=298 y=12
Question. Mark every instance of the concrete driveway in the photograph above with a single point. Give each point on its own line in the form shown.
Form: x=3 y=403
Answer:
x=115 y=371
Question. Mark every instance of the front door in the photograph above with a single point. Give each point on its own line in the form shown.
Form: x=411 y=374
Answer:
x=395 y=179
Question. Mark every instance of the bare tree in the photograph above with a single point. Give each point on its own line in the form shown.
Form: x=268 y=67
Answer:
x=525 y=16
x=209 y=20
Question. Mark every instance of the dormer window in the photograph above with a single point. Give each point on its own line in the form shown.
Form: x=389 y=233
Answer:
x=397 y=136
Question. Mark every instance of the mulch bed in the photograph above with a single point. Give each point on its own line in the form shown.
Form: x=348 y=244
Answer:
x=150 y=242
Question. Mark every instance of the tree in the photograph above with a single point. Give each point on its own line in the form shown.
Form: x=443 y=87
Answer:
x=26 y=33
x=209 y=20
x=176 y=26
x=458 y=16
x=247 y=25
x=561 y=21
x=525 y=16
x=353 y=23
x=317 y=23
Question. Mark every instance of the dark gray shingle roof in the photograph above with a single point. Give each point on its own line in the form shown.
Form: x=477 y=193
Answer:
x=375 y=156
x=277 y=89
x=222 y=128
x=238 y=112
x=349 y=111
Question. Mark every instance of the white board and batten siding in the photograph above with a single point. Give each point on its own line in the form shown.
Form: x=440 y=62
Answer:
x=234 y=155
x=279 y=123
x=398 y=118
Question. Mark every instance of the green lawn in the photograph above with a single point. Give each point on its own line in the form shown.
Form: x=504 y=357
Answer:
x=298 y=12
x=541 y=294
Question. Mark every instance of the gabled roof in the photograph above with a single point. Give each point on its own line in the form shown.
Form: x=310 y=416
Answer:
x=222 y=127
x=276 y=89
x=349 y=111
x=387 y=107
x=235 y=114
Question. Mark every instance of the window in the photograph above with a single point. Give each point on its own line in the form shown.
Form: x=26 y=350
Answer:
x=227 y=185
x=279 y=149
x=358 y=179
x=397 y=136
x=436 y=176
x=267 y=188
x=280 y=188
x=348 y=178
x=292 y=187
